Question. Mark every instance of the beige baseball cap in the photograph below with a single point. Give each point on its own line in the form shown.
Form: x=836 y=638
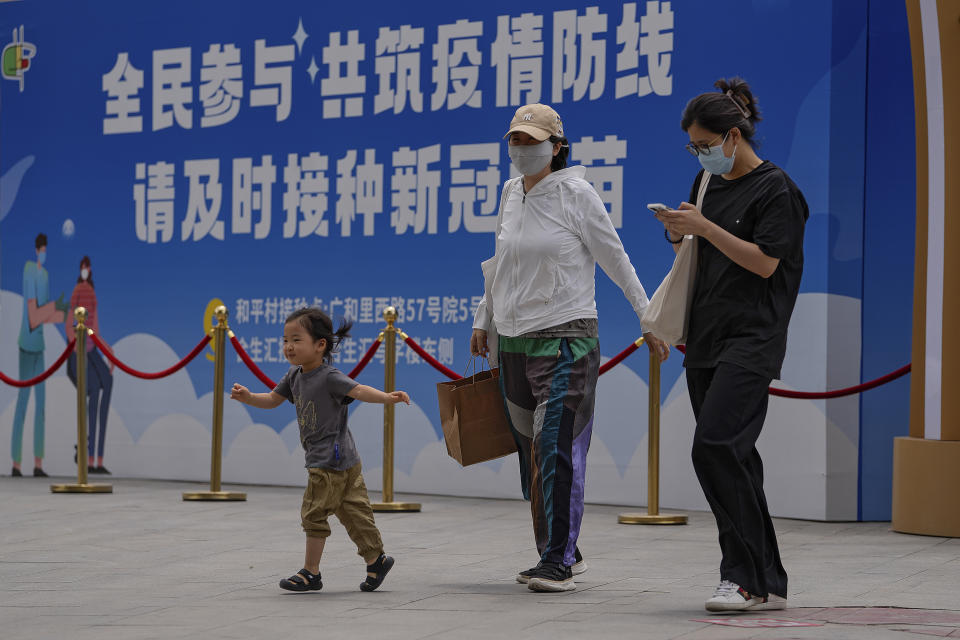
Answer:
x=537 y=120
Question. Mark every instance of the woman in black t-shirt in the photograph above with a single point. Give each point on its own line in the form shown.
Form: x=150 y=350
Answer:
x=750 y=260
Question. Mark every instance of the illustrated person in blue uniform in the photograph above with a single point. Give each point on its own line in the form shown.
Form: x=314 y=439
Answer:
x=38 y=310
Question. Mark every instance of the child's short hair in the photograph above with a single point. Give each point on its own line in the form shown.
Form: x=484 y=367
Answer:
x=320 y=327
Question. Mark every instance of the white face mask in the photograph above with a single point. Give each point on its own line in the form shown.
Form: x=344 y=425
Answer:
x=84 y=273
x=530 y=159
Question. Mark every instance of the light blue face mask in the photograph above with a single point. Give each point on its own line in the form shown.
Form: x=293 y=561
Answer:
x=41 y=257
x=715 y=162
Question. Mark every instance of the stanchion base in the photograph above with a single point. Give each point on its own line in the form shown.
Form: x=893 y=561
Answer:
x=81 y=488
x=646 y=518
x=396 y=506
x=221 y=496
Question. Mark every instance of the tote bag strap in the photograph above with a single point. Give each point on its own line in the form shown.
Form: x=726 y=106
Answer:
x=702 y=191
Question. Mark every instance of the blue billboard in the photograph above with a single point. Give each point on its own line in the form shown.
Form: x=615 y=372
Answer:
x=349 y=156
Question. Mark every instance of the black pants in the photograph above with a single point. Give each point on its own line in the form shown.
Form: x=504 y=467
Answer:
x=730 y=405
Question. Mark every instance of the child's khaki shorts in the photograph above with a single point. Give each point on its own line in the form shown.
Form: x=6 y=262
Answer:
x=343 y=494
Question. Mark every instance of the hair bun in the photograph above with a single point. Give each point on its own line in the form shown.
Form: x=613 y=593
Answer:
x=739 y=92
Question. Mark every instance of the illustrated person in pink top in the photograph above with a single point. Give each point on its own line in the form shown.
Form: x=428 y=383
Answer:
x=99 y=375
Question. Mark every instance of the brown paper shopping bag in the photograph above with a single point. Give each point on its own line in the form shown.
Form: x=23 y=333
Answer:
x=473 y=418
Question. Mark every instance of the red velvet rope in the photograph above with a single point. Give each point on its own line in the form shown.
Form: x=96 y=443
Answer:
x=836 y=393
x=617 y=359
x=149 y=376
x=453 y=375
x=46 y=374
x=819 y=395
x=366 y=359
x=254 y=369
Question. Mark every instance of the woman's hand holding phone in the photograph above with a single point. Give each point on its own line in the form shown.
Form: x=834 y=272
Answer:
x=657 y=207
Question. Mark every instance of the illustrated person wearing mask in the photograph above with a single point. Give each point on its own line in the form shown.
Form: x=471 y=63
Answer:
x=99 y=376
x=539 y=297
x=750 y=235
x=38 y=310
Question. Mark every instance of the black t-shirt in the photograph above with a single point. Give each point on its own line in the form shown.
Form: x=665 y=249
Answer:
x=737 y=316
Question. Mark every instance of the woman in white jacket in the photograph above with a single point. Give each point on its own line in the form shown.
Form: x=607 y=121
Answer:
x=552 y=230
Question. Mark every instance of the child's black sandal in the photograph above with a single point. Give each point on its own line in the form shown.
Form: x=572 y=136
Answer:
x=302 y=580
x=381 y=568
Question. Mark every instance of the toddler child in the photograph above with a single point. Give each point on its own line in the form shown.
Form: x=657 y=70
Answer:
x=335 y=485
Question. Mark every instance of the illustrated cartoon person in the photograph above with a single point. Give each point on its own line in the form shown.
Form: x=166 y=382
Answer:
x=99 y=375
x=37 y=311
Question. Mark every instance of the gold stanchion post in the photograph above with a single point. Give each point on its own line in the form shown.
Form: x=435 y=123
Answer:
x=81 y=486
x=653 y=515
x=216 y=449
x=389 y=378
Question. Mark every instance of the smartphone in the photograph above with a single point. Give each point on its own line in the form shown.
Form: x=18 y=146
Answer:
x=657 y=207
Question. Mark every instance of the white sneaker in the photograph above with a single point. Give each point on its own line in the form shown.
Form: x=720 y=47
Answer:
x=729 y=596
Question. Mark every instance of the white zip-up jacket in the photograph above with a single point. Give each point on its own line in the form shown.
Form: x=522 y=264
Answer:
x=548 y=242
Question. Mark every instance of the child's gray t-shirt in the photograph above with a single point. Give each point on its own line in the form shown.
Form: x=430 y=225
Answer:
x=320 y=397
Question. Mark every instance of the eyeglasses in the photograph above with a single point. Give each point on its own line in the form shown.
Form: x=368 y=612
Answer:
x=704 y=149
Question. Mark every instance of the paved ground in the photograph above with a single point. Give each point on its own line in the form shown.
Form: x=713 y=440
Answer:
x=141 y=563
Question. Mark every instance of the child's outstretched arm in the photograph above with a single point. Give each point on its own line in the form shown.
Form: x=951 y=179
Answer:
x=270 y=400
x=364 y=393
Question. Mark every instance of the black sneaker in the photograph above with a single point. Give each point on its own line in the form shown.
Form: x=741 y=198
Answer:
x=524 y=576
x=16 y=473
x=551 y=577
x=39 y=473
x=579 y=565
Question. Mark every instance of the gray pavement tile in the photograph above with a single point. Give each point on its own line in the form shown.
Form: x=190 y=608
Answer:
x=76 y=566
x=389 y=628
x=939 y=632
x=195 y=616
x=611 y=625
x=493 y=603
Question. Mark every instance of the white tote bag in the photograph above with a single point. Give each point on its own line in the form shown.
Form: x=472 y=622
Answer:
x=669 y=310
